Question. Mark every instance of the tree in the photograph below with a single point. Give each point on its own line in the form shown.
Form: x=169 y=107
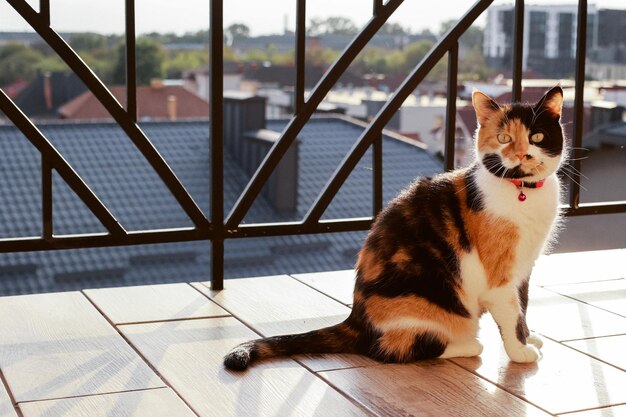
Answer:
x=238 y=31
x=87 y=42
x=372 y=60
x=394 y=29
x=319 y=57
x=184 y=60
x=334 y=25
x=415 y=52
x=472 y=38
x=149 y=62
x=18 y=62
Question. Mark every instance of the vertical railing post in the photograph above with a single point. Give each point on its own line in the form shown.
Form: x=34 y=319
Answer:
x=217 y=143
x=300 y=55
x=450 y=139
x=131 y=61
x=518 y=50
x=44 y=11
x=581 y=53
x=46 y=197
x=378 y=4
x=377 y=150
x=377 y=171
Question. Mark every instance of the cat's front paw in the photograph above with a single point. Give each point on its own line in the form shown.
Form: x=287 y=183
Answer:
x=523 y=353
x=535 y=340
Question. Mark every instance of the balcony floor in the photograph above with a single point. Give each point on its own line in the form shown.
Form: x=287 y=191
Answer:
x=156 y=351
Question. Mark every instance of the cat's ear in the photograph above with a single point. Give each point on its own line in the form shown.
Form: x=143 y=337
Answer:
x=552 y=101
x=484 y=106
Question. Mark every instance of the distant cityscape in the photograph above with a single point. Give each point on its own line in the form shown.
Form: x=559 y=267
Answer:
x=173 y=108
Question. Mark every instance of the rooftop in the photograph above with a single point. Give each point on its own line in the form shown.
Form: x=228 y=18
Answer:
x=156 y=351
x=102 y=154
x=153 y=102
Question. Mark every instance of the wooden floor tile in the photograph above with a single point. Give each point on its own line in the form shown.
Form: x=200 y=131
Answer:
x=153 y=303
x=329 y=362
x=58 y=345
x=189 y=356
x=566 y=268
x=562 y=381
x=279 y=305
x=609 y=295
x=6 y=406
x=610 y=349
x=337 y=284
x=432 y=388
x=161 y=402
x=617 y=411
x=563 y=318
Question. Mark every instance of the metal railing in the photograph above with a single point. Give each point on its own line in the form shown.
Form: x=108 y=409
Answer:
x=222 y=227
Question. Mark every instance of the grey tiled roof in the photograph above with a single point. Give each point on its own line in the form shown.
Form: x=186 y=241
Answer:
x=124 y=181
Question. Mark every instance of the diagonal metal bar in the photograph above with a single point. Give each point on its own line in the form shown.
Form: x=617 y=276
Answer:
x=387 y=111
x=453 y=69
x=136 y=135
x=49 y=152
x=518 y=49
x=295 y=125
x=579 y=96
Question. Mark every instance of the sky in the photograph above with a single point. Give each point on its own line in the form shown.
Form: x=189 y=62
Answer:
x=261 y=16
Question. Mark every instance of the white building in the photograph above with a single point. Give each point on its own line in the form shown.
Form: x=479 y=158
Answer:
x=549 y=43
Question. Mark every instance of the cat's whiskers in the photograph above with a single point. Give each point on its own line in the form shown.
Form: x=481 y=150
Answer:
x=506 y=170
x=540 y=104
x=578 y=159
x=573 y=169
x=532 y=122
x=564 y=172
x=467 y=187
x=537 y=115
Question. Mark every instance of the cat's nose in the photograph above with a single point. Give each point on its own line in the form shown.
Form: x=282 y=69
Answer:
x=521 y=155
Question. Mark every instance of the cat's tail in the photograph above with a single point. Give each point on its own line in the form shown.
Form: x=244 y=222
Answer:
x=340 y=338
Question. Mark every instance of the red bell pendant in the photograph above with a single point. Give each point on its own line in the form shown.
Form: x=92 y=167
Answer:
x=521 y=196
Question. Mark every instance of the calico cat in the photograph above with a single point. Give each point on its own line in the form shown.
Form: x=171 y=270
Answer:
x=450 y=248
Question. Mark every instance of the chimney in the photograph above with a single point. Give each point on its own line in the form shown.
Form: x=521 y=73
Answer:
x=281 y=189
x=247 y=140
x=47 y=90
x=372 y=107
x=157 y=84
x=172 y=107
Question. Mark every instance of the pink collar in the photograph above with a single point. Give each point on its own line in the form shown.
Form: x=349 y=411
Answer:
x=520 y=184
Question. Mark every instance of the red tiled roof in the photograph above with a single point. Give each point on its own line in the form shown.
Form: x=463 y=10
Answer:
x=152 y=102
x=468 y=117
x=15 y=88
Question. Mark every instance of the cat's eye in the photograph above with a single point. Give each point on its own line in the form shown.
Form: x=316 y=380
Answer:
x=504 y=138
x=536 y=137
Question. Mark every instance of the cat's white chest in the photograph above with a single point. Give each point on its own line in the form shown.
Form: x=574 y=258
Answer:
x=534 y=217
